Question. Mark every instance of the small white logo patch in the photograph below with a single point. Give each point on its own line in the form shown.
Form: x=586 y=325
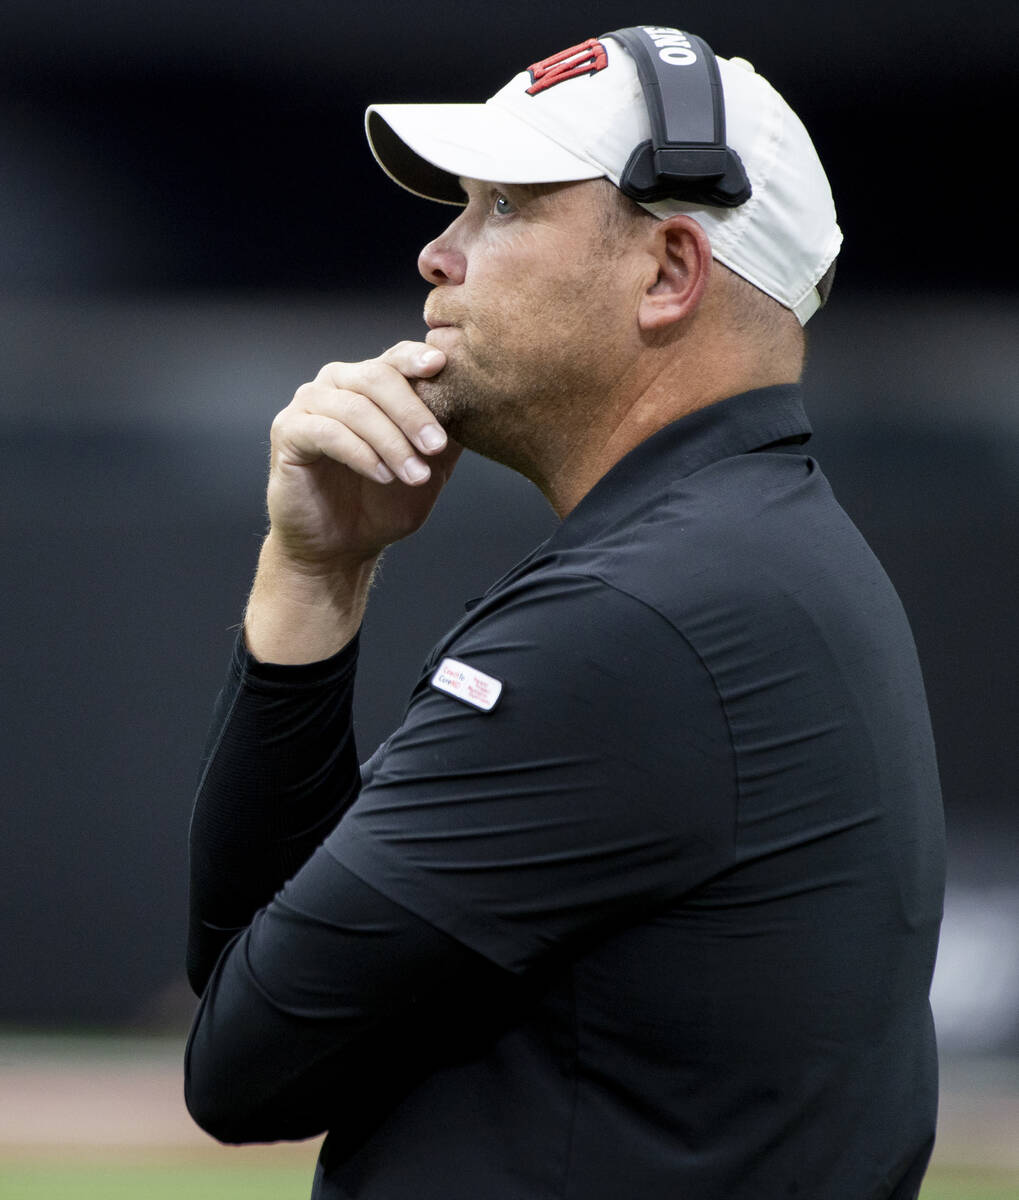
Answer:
x=467 y=684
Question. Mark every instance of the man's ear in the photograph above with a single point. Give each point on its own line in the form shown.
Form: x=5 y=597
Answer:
x=681 y=249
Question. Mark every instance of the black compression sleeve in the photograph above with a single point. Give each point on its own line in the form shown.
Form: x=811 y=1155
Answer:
x=280 y=770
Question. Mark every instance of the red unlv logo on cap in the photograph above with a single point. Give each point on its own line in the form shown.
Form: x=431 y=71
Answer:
x=584 y=59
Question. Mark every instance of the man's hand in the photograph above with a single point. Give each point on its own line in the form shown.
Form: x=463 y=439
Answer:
x=357 y=463
x=349 y=473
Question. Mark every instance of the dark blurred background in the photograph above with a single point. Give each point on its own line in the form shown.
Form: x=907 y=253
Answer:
x=191 y=223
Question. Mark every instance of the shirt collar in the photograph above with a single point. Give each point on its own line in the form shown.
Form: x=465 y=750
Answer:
x=738 y=425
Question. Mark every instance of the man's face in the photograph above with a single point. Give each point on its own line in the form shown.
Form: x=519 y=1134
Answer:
x=532 y=309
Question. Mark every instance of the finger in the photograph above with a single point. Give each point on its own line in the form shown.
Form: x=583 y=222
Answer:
x=385 y=383
x=304 y=438
x=300 y=430
x=368 y=421
x=415 y=360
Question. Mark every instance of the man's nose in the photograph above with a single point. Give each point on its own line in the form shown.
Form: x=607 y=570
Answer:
x=440 y=262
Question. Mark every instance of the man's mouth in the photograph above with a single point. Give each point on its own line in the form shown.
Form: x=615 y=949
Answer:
x=437 y=313
x=434 y=322
x=437 y=324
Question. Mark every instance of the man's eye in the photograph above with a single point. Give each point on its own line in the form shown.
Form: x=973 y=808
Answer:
x=501 y=206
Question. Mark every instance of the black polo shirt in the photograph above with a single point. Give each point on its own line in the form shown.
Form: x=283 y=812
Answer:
x=640 y=900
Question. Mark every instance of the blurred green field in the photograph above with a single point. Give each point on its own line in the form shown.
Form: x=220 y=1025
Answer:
x=971 y=1185
x=93 y=1181
x=171 y=1181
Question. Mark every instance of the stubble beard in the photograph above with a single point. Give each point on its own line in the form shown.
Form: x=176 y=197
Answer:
x=476 y=412
x=449 y=397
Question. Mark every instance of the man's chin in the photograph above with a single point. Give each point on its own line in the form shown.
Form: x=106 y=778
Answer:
x=463 y=414
x=444 y=399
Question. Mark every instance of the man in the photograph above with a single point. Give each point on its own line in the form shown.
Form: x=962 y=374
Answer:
x=641 y=899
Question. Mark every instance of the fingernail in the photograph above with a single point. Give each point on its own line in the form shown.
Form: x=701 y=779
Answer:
x=415 y=470
x=432 y=438
x=430 y=357
x=383 y=473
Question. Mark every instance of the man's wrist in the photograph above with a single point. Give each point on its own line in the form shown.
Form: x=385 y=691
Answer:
x=302 y=612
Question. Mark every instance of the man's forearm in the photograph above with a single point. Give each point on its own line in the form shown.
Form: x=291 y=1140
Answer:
x=281 y=768
x=298 y=615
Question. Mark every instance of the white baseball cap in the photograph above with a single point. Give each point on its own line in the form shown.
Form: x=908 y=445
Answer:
x=580 y=115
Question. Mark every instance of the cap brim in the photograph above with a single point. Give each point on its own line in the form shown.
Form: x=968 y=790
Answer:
x=428 y=148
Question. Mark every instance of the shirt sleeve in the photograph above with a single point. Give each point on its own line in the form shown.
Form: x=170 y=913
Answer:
x=279 y=770
x=327 y=1009
x=600 y=787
